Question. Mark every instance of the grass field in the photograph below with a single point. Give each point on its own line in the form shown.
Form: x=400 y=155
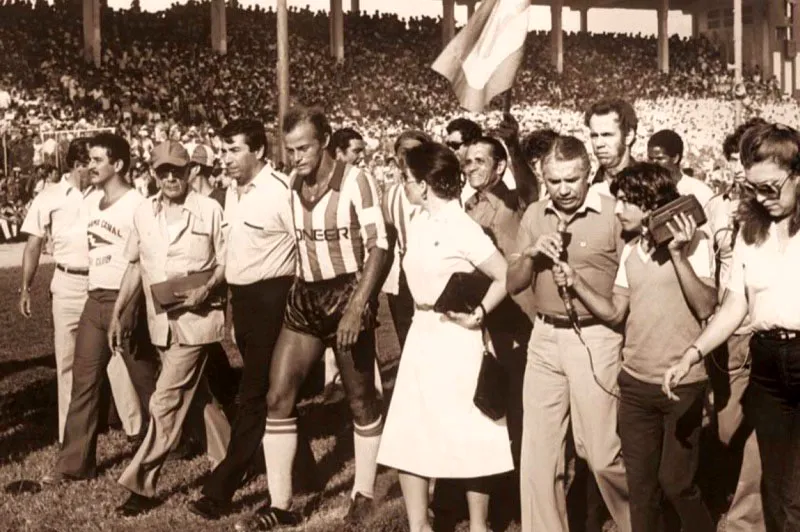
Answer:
x=28 y=421
x=27 y=450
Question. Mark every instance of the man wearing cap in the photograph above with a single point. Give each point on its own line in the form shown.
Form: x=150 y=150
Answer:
x=175 y=233
x=201 y=164
x=57 y=211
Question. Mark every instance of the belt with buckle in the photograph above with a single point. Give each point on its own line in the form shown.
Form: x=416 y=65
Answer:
x=778 y=334
x=74 y=271
x=563 y=322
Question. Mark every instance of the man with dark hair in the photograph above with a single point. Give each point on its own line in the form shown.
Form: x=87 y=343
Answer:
x=347 y=145
x=665 y=148
x=56 y=211
x=460 y=132
x=342 y=247
x=562 y=380
x=536 y=145
x=108 y=211
x=612 y=128
x=259 y=268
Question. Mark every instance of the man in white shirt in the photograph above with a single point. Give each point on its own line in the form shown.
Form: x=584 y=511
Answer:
x=109 y=214
x=57 y=211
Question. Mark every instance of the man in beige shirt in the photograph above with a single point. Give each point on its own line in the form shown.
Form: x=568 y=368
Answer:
x=175 y=233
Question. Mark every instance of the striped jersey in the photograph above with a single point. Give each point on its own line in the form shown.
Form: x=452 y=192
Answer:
x=398 y=212
x=335 y=233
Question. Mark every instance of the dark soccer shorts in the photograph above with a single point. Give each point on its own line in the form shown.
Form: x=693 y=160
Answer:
x=317 y=308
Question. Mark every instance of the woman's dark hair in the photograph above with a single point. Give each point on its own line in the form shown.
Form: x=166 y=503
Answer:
x=646 y=185
x=438 y=166
x=774 y=143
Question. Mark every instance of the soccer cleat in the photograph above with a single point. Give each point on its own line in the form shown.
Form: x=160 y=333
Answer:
x=268 y=518
x=360 y=508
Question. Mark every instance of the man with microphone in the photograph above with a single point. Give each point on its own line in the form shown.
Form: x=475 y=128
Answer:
x=573 y=358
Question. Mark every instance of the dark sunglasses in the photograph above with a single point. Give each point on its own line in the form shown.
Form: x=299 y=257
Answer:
x=453 y=145
x=766 y=190
x=167 y=170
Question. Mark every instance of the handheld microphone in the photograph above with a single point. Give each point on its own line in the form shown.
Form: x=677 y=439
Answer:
x=563 y=291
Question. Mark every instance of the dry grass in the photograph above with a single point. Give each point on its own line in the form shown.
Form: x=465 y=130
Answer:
x=28 y=432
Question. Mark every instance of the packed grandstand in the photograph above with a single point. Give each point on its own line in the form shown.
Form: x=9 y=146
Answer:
x=160 y=78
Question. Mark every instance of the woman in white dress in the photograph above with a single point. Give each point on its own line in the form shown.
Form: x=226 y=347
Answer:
x=433 y=429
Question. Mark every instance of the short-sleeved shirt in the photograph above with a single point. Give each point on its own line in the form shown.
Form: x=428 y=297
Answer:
x=193 y=245
x=57 y=210
x=768 y=277
x=499 y=212
x=336 y=233
x=260 y=240
x=660 y=325
x=440 y=245
x=593 y=249
x=108 y=231
x=397 y=213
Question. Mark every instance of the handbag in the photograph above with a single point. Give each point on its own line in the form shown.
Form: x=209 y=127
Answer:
x=491 y=392
x=463 y=292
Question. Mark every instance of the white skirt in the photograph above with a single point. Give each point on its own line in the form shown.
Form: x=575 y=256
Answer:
x=433 y=428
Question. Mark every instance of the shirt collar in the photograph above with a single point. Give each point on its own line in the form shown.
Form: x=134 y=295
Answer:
x=593 y=201
x=336 y=180
x=190 y=204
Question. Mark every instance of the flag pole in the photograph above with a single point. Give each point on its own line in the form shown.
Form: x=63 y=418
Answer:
x=283 y=72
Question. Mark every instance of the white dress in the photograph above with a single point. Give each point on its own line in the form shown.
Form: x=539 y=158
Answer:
x=433 y=429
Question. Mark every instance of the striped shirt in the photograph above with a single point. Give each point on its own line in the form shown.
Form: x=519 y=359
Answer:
x=398 y=212
x=335 y=233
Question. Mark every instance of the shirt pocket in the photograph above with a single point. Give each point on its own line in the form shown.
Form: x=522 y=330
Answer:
x=199 y=242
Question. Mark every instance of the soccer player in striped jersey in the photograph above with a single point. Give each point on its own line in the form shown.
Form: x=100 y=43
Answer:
x=342 y=250
x=398 y=211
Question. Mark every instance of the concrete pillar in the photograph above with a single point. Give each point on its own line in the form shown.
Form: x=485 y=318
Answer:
x=448 y=21
x=663 y=37
x=337 y=30
x=355 y=6
x=470 y=8
x=91 y=32
x=219 y=27
x=584 y=20
x=282 y=71
x=695 y=25
x=556 y=35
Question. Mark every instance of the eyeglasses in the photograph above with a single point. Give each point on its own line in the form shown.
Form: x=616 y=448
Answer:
x=165 y=172
x=454 y=145
x=767 y=190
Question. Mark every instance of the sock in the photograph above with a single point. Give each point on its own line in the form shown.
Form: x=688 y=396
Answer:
x=366 y=441
x=280 y=447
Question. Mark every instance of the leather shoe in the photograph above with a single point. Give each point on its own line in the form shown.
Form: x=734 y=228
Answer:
x=136 y=505
x=208 y=508
x=360 y=508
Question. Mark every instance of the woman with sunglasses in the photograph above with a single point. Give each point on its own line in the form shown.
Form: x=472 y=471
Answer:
x=763 y=281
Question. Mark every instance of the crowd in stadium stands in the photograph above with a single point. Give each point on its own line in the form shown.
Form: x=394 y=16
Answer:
x=160 y=79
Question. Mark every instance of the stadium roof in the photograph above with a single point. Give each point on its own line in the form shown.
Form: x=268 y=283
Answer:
x=678 y=5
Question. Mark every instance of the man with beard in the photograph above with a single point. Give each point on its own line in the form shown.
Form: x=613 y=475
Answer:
x=342 y=248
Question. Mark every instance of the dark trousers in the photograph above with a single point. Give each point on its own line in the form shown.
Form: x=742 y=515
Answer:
x=258 y=311
x=401 y=306
x=77 y=457
x=660 y=444
x=773 y=403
